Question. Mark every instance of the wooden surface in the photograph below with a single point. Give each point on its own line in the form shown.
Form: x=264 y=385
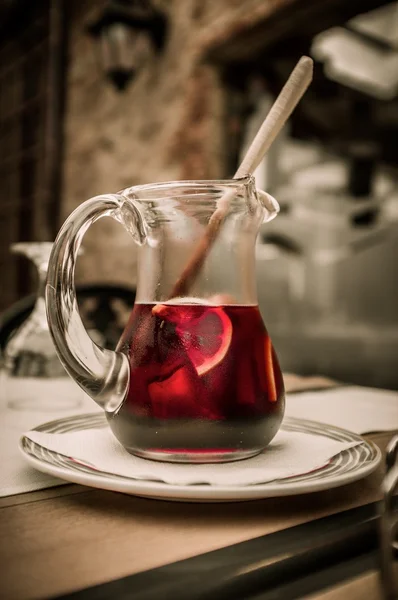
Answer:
x=62 y=539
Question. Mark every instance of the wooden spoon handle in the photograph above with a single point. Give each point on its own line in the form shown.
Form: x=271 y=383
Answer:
x=281 y=110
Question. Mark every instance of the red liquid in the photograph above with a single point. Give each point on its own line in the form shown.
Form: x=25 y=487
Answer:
x=204 y=379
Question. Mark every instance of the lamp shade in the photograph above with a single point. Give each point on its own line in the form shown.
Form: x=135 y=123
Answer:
x=127 y=33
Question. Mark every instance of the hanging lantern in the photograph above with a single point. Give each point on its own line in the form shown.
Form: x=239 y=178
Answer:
x=127 y=33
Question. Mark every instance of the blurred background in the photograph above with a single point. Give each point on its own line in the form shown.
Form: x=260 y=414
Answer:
x=98 y=95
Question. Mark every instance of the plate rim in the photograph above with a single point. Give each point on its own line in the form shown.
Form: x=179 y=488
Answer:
x=201 y=492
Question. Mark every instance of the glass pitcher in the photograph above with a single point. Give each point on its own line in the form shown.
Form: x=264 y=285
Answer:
x=194 y=377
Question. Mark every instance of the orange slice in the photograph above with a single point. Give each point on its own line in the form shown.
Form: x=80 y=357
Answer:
x=269 y=369
x=205 y=332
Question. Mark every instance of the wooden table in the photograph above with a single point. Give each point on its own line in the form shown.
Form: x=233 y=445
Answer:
x=62 y=539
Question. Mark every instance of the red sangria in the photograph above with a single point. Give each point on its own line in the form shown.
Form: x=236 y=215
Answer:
x=205 y=382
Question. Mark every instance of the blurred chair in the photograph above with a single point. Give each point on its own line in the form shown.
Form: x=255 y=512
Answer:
x=104 y=309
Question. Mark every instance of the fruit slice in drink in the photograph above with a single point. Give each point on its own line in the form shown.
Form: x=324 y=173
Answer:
x=205 y=334
x=269 y=370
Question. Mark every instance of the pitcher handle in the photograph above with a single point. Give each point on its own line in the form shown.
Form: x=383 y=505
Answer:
x=102 y=374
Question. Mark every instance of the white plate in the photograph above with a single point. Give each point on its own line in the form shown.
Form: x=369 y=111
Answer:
x=348 y=466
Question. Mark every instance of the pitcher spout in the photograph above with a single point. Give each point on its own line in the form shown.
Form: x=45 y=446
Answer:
x=270 y=205
x=131 y=216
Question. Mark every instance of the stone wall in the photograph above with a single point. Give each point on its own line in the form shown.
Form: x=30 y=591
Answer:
x=166 y=125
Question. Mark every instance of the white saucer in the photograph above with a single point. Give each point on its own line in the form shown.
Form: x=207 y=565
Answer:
x=348 y=466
